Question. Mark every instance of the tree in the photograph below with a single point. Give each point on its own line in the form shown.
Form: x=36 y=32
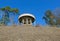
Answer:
x=15 y=12
x=57 y=16
x=5 y=17
x=49 y=18
x=7 y=10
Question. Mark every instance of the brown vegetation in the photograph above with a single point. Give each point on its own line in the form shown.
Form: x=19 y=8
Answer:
x=29 y=33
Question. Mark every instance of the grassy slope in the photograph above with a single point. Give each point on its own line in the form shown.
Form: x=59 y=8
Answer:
x=29 y=33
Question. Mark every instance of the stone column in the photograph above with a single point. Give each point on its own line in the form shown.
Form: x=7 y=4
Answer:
x=23 y=21
x=30 y=21
x=26 y=20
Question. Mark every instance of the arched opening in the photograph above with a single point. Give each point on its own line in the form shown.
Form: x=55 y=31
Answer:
x=28 y=21
x=24 y=21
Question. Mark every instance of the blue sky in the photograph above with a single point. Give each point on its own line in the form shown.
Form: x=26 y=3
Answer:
x=35 y=7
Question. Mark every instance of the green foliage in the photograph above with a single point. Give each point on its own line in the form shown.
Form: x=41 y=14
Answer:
x=49 y=18
x=6 y=14
x=15 y=10
x=2 y=9
x=7 y=10
x=57 y=16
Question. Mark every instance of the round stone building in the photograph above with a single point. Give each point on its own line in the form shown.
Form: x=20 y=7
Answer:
x=26 y=18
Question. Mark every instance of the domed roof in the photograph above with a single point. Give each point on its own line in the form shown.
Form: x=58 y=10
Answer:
x=27 y=14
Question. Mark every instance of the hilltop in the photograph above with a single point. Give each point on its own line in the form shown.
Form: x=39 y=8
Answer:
x=29 y=33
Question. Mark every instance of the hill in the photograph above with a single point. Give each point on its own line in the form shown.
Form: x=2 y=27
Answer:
x=29 y=33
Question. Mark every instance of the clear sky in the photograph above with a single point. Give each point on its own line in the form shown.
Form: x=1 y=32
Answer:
x=35 y=7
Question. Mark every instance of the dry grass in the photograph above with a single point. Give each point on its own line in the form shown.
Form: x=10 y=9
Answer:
x=29 y=33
